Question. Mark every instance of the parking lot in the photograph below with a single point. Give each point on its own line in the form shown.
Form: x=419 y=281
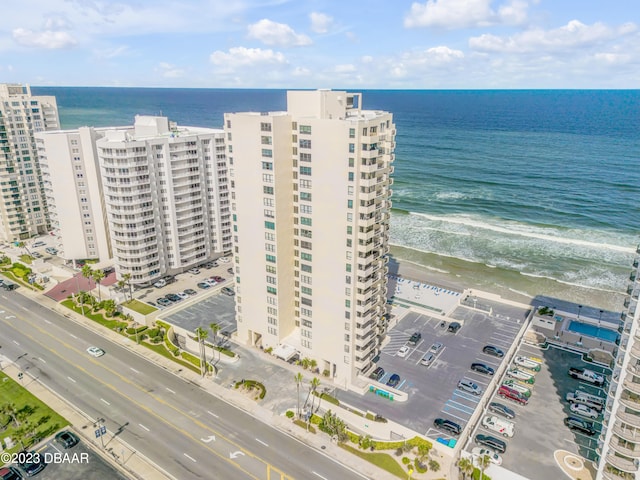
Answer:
x=431 y=390
x=539 y=427
x=218 y=309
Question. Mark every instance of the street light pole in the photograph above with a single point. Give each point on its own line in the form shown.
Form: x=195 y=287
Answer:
x=78 y=293
x=579 y=310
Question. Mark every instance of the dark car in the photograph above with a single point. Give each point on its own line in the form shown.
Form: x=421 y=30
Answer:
x=447 y=425
x=218 y=279
x=482 y=368
x=454 y=327
x=10 y=473
x=9 y=286
x=203 y=285
x=190 y=291
x=228 y=291
x=67 y=439
x=583 y=426
x=493 y=443
x=377 y=374
x=492 y=350
x=163 y=302
x=230 y=270
x=394 y=380
x=415 y=338
x=35 y=464
x=501 y=409
x=173 y=297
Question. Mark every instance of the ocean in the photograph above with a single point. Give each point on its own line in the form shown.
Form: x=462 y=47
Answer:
x=534 y=192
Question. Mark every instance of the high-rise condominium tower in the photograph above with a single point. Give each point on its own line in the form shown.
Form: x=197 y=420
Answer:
x=310 y=205
x=23 y=211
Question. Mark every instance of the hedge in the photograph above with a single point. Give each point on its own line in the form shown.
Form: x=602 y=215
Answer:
x=251 y=384
x=140 y=329
x=328 y=398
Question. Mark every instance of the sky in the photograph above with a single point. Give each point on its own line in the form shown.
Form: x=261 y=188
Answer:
x=385 y=44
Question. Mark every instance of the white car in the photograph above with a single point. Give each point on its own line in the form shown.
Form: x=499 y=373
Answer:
x=403 y=351
x=224 y=260
x=481 y=452
x=183 y=295
x=583 y=410
x=499 y=425
x=160 y=283
x=427 y=359
x=95 y=351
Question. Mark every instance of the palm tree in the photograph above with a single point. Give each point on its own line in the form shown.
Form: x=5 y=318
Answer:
x=298 y=378
x=483 y=462
x=98 y=276
x=201 y=335
x=126 y=278
x=315 y=383
x=215 y=328
x=423 y=453
x=466 y=467
x=9 y=410
x=87 y=272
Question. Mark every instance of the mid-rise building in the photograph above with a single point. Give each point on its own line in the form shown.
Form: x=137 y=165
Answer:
x=311 y=205
x=619 y=444
x=74 y=193
x=23 y=211
x=166 y=196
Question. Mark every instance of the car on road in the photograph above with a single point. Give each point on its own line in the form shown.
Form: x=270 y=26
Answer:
x=164 y=302
x=377 y=374
x=454 y=327
x=203 y=285
x=415 y=338
x=95 y=351
x=493 y=350
x=66 y=439
x=194 y=271
x=394 y=380
x=183 y=295
x=190 y=291
x=468 y=386
x=10 y=473
x=482 y=452
x=160 y=283
x=499 y=425
x=580 y=409
x=491 y=443
x=482 y=368
x=404 y=350
x=448 y=426
x=501 y=409
x=436 y=347
x=228 y=291
x=173 y=297
x=427 y=359
x=34 y=463
x=575 y=423
x=9 y=285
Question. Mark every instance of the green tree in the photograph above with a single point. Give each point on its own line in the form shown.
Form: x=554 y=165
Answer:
x=127 y=279
x=98 y=276
x=483 y=462
x=87 y=272
x=109 y=307
x=465 y=466
x=9 y=410
x=215 y=328
x=423 y=453
x=201 y=336
x=298 y=379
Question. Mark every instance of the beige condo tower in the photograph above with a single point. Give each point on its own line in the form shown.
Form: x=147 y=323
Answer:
x=310 y=205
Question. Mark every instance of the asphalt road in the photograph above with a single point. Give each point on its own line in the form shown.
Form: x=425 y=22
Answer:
x=180 y=427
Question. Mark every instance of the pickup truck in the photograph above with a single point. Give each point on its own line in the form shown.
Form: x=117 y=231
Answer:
x=587 y=376
x=499 y=425
x=527 y=363
x=582 y=398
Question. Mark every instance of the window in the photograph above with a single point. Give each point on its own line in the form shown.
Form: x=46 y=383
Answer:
x=305 y=256
x=350 y=176
x=305 y=279
x=347 y=337
x=272 y=331
x=269 y=247
x=347 y=326
x=305 y=221
x=306 y=268
x=306 y=312
x=305 y=209
x=265 y=140
x=267 y=178
x=267 y=202
x=270 y=236
x=305 y=157
x=351 y=162
x=271 y=290
x=352 y=147
x=268 y=190
x=352 y=133
x=267 y=165
x=306 y=301
x=271 y=258
x=305 y=170
x=364 y=131
x=267 y=152
x=306 y=196
x=305 y=128
x=269 y=213
x=348 y=267
x=305 y=143
x=306 y=290
x=347 y=303
x=271 y=269
x=305 y=183
x=349 y=230
x=349 y=203
x=265 y=127
x=307 y=323
x=270 y=225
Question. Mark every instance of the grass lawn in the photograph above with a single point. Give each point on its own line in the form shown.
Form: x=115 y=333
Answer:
x=162 y=350
x=140 y=307
x=26 y=259
x=35 y=412
x=382 y=460
x=96 y=317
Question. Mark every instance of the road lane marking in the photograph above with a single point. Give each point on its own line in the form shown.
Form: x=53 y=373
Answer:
x=212 y=414
x=170 y=390
x=236 y=454
x=73 y=336
x=71 y=379
x=104 y=401
x=209 y=439
x=263 y=443
x=316 y=473
x=24 y=308
x=42 y=360
x=190 y=458
x=134 y=369
x=47 y=321
x=16 y=343
x=143 y=427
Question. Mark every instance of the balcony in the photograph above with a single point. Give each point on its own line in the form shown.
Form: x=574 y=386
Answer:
x=611 y=473
x=625 y=450
x=625 y=432
x=635 y=353
x=632 y=386
x=624 y=464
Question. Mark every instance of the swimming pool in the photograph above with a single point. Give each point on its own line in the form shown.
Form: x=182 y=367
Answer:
x=593 y=331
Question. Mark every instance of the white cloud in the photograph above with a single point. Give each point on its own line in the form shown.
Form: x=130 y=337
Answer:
x=465 y=13
x=168 y=70
x=320 y=22
x=573 y=35
x=273 y=33
x=367 y=59
x=344 y=68
x=301 y=72
x=246 y=57
x=48 y=39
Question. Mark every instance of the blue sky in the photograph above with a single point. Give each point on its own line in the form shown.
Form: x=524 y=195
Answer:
x=426 y=44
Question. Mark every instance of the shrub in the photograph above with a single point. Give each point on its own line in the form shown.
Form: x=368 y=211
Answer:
x=420 y=468
x=153 y=332
x=156 y=339
x=327 y=398
x=268 y=350
x=290 y=414
x=253 y=384
x=406 y=460
x=325 y=373
x=434 y=466
x=140 y=329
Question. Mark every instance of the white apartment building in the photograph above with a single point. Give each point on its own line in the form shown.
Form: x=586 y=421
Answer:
x=166 y=196
x=311 y=206
x=619 y=444
x=23 y=212
x=74 y=193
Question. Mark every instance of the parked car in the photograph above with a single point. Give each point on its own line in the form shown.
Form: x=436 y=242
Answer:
x=394 y=380
x=36 y=255
x=10 y=473
x=514 y=385
x=66 y=439
x=447 y=425
x=575 y=423
x=37 y=244
x=482 y=368
x=160 y=283
x=521 y=375
x=493 y=350
x=173 y=297
x=501 y=409
x=230 y=270
x=454 y=327
x=228 y=291
x=435 y=348
x=527 y=362
x=509 y=393
x=51 y=251
x=377 y=374
x=183 y=295
x=483 y=452
x=415 y=338
x=34 y=464
x=404 y=350
x=207 y=265
x=203 y=285
x=581 y=409
x=224 y=260
x=218 y=278
x=468 y=386
x=95 y=352
x=194 y=271
x=499 y=425
x=492 y=443
x=164 y=302
x=427 y=359
x=190 y=291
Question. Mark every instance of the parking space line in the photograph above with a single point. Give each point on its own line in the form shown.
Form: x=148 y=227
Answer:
x=463 y=419
x=483 y=381
x=498 y=334
x=467 y=396
x=401 y=384
x=451 y=403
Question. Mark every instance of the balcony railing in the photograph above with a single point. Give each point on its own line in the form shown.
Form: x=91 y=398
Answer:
x=631 y=419
x=628 y=433
x=633 y=453
x=623 y=464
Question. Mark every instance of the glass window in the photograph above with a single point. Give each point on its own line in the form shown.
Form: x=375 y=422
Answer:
x=270 y=225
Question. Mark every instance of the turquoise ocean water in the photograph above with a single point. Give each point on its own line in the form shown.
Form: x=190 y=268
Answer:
x=532 y=191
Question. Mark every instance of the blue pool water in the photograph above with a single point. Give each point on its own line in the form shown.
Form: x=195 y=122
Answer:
x=593 y=331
